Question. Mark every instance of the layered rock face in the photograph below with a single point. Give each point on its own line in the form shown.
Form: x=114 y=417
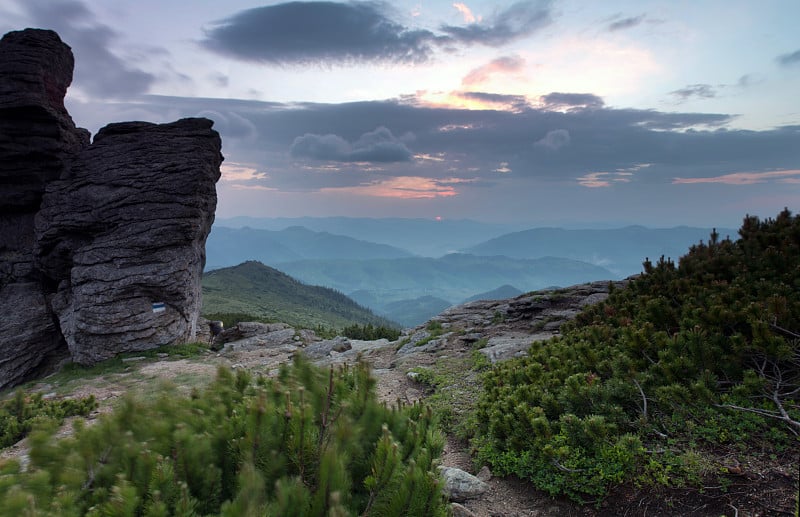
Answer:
x=124 y=236
x=101 y=246
x=38 y=140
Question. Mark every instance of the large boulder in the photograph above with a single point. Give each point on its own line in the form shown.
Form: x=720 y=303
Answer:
x=102 y=245
x=123 y=235
x=38 y=141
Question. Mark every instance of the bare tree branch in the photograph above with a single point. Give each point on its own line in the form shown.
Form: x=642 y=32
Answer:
x=644 y=398
x=562 y=468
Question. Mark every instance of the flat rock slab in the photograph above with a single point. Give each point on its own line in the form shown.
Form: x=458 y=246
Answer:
x=501 y=348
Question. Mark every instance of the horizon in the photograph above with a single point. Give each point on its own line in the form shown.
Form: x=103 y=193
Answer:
x=534 y=225
x=535 y=112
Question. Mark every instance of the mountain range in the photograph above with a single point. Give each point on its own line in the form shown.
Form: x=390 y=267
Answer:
x=423 y=237
x=453 y=277
x=391 y=266
x=231 y=246
x=621 y=250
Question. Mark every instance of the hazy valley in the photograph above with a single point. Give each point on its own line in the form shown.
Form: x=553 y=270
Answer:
x=409 y=270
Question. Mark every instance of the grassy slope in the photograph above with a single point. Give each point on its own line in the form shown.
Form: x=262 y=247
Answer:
x=264 y=292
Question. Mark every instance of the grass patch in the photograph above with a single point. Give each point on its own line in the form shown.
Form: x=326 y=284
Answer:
x=74 y=372
x=453 y=385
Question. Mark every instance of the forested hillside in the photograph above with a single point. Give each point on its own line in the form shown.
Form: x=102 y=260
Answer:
x=253 y=291
x=688 y=377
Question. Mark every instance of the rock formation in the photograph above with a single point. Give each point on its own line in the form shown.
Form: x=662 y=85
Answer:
x=38 y=140
x=102 y=245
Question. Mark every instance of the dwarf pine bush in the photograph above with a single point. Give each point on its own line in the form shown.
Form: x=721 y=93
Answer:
x=21 y=412
x=305 y=443
x=686 y=358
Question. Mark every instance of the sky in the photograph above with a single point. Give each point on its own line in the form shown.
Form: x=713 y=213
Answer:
x=541 y=112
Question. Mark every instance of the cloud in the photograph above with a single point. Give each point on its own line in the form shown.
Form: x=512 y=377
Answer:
x=465 y=12
x=379 y=145
x=318 y=32
x=230 y=124
x=746 y=81
x=561 y=101
x=702 y=91
x=98 y=71
x=501 y=65
x=603 y=179
x=746 y=178
x=220 y=80
x=625 y=23
x=518 y=21
x=496 y=99
x=235 y=172
x=790 y=59
x=554 y=140
x=471 y=144
x=503 y=168
x=404 y=187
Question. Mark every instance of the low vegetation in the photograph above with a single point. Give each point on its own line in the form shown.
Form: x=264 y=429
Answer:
x=305 y=443
x=369 y=332
x=20 y=413
x=665 y=382
x=453 y=385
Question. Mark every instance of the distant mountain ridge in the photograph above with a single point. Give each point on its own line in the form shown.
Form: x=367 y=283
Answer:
x=417 y=311
x=231 y=246
x=264 y=292
x=621 y=250
x=425 y=237
x=452 y=277
x=503 y=292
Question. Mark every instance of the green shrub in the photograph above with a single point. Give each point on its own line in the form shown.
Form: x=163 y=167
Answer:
x=369 y=332
x=307 y=443
x=697 y=355
x=19 y=413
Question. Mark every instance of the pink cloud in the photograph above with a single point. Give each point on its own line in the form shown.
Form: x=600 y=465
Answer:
x=405 y=187
x=232 y=171
x=745 y=178
x=466 y=12
x=501 y=65
x=604 y=179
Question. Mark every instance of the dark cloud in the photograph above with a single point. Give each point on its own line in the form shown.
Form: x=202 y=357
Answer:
x=468 y=145
x=746 y=81
x=703 y=91
x=520 y=20
x=625 y=23
x=790 y=59
x=98 y=70
x=558 y=100
x=318 y=32
x=379 y=146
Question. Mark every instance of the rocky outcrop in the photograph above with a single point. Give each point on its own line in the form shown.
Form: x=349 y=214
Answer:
x=502 y=329
x=123 y=234
x=38 y=141
x=102 y=245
